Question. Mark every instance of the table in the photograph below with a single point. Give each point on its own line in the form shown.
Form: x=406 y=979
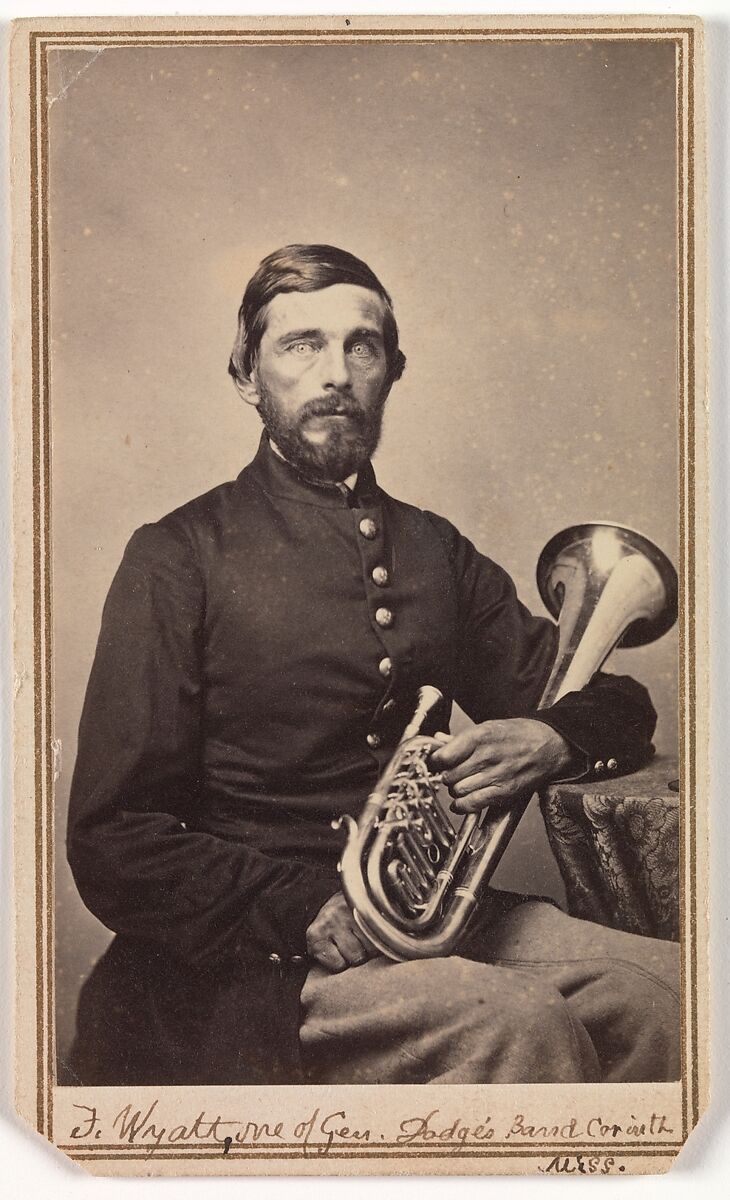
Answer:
x=616 y=842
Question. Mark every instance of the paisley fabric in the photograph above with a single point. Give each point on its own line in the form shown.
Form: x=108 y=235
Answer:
x=618 y=852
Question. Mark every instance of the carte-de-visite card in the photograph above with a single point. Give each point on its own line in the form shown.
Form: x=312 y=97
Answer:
x=361 y=576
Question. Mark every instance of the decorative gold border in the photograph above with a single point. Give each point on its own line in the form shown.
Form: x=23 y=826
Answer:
x=684 y=38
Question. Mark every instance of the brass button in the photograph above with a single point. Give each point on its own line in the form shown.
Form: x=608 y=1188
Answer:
x=380 y=576
x=388 y=706
x=297 y=958
x=368 y=528
x=385 y=667
x=373 y=740
x=274 y=957
x=384 y=617
x=612 y=764
x=599 y=766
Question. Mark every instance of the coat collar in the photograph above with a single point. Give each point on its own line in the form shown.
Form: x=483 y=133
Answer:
x=278 y=478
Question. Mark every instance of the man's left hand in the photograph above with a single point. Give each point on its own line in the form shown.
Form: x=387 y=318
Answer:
x=495 y=763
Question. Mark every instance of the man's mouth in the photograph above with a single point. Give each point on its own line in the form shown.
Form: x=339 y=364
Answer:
x=319 y=425
x=331 y=416
x=331 y=406
x=341 y=413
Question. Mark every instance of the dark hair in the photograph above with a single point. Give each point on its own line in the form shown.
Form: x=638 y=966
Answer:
x=301 y=268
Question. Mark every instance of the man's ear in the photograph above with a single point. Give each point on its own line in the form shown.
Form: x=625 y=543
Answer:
x=247 y=389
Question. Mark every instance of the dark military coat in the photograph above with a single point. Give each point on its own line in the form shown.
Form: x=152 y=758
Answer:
x=259 y=656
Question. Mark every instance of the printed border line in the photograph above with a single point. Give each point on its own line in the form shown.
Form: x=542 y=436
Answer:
x=350 y=1153
x=48 y=629
x=41 y=430
x=692 y=569
x=49 y=703
x=43 y=647
x=461 y=33
x=681 y=393
x=120 y=43
x=275 y=1147
x=335 y=40
x=48 y=599
x=37 y=568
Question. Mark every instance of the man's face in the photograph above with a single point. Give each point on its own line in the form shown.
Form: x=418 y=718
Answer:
x=320 y=378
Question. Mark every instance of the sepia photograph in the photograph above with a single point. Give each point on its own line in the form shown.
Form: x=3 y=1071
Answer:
x=359 y=497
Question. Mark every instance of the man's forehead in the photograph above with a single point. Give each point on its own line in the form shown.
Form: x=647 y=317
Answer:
x=336 y=308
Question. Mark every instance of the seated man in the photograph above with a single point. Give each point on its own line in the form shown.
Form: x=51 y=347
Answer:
x=259 y=657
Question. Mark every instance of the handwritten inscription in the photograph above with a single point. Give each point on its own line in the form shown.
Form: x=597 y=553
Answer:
x=431 y=1129
x=142 y=1127
x=593 y=1128
x=581 y=1164
x=320 y=1130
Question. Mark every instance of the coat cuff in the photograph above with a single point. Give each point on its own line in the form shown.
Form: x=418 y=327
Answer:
x=281 y=935
x=604 y=752
x=581 y=755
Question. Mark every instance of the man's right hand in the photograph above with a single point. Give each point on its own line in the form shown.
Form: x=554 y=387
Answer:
x=333 y=938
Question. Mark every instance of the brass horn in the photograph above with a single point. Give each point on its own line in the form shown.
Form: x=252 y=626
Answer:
x=411 y=879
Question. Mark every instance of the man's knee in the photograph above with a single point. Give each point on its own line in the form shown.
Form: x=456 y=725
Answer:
x=521 y=1025
x=520 y=1003
x=662 y=962
x=632 y=1016
x=460 y=990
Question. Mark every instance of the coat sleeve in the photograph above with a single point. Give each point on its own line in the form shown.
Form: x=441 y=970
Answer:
x=139 y=863
x=506 y=656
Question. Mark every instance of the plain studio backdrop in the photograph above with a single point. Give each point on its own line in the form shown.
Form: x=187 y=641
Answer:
x=516 y=199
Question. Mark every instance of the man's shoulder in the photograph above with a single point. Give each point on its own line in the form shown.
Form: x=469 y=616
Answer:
x=430 y=522
x=467 y=561
x=203 y=509
x=184 y=526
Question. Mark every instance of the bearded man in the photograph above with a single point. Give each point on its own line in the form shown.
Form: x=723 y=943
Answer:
x=259 y=657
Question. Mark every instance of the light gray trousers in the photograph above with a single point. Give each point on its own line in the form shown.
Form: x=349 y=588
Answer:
x=556 y=1000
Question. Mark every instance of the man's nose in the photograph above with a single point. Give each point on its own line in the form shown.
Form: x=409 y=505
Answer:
x=335 y=370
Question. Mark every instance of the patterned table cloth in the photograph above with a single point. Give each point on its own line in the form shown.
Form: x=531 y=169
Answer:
x=618 y=849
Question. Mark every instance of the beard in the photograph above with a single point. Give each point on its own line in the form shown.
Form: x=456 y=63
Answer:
x=348 y=443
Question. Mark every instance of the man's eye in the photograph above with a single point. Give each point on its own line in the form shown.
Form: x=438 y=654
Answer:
x=302 y=348
x=362 y=349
